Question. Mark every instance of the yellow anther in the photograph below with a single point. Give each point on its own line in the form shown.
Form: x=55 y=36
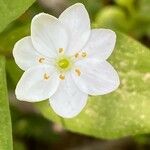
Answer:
x=46 y=76
x=76 y=55
x=78 y=72
x=84 y=54
x=41 y=60
x=62 y=77
x=61 y=50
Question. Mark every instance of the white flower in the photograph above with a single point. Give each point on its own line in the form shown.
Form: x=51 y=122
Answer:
x=65 y=61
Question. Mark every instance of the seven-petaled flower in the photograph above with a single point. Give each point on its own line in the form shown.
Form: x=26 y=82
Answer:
x=65 y=61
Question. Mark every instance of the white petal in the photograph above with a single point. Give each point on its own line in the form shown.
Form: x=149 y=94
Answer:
x=68 y=101
x=24 y=53
x=48 y=34
x=32 y=86
x=96 y=78
x=100 y=44
x=77 y=21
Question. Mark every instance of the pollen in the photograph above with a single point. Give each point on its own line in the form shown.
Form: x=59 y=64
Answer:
x=78 y=72
x=41 y=60
x=62 y=77
x=76 y=55
x=84 y=54
x=46 y=76
x=61 y=50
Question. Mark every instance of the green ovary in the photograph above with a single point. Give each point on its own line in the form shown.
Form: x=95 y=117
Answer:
x=63 y=63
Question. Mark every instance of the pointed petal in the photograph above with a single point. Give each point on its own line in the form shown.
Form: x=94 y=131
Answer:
x=100 y=44
x=37 y=83
x=96 y=78
x=68 y=101
x=24 y=53
x=77 y=21
x=48 y=34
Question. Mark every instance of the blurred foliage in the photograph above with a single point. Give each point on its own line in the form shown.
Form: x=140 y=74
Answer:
x=5 y=121
x=16 y=30
x=129 y=16
x=27 y=125
x=11 y=10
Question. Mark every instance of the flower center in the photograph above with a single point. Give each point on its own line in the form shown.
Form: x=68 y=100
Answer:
x=63 y=63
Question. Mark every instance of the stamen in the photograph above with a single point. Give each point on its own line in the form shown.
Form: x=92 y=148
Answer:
x=46 y=76
x=78 y=72
x=84 y=54
x=62 y=77
x=80 y=54
x=61 y=50
x=76 y=55
x=41 y=60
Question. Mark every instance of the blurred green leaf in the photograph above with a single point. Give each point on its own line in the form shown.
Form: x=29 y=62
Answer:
x=123 y=112
x=17 y=30
x=11 y=36
x=130 y=16
x=142 y=25
x=5 y=121
x=23 y=123
x=125 y=3
x=144 y=9
x=113 y=17
x=19 y=145
x=13 y=71
x=12 y=9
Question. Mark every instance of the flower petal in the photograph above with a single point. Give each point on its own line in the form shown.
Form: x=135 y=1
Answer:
x=101 y=43
x=48 y=34
x=68 y=101
x=77 y=21
x=25 y=55
x=96 y=77
x=37 y=83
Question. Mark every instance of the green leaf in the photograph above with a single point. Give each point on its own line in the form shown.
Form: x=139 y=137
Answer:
x=142 y=25
x=123 y=112
x=144 y=8
x=113 y=17
x=11 y=36
x=125 y=3
x=13 y=72
x=11 y=10
x=5 y=121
